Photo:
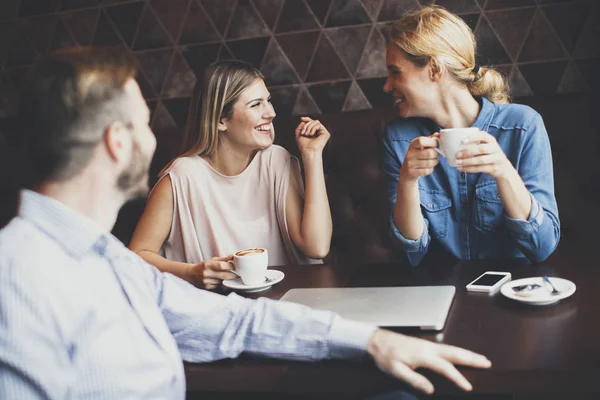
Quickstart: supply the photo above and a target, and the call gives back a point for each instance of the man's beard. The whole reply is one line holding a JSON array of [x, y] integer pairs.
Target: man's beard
[[133, 181]]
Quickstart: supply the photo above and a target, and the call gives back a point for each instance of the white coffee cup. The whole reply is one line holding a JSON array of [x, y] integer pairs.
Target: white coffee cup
[[451, 142], [251, 265]]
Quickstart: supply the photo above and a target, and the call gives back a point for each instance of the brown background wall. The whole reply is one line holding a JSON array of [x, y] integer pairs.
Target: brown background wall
[[319, 56]]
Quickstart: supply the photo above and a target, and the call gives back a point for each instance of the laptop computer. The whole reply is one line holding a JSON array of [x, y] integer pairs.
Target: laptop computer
[[424, 307]]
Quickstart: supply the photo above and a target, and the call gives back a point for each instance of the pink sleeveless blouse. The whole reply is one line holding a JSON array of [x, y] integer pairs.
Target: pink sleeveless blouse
[[216, 215]]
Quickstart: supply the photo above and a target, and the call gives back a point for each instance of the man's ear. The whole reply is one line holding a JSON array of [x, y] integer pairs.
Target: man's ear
[[117, 139], [436, 70]]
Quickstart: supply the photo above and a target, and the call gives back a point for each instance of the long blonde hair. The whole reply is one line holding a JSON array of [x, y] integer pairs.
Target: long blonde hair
[[212, 101], [433, 33]]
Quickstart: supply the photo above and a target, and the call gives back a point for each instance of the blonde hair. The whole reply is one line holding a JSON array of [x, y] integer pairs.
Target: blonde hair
[[213, 100], [433, 33]]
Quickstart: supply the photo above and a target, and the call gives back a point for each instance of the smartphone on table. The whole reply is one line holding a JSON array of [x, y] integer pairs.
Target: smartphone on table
[[489, 282]]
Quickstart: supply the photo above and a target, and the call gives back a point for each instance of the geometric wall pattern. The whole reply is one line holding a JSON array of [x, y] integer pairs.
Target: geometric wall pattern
[[318, 56]]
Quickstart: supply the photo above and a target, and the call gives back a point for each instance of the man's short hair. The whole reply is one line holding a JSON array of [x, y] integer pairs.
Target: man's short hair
[[72, 98]]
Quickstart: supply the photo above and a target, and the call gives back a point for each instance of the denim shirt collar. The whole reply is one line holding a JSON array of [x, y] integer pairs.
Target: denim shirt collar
[[74, 232]]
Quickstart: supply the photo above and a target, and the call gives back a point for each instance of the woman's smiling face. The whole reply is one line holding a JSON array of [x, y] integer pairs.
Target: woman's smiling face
[[411, 86], [251, 123]]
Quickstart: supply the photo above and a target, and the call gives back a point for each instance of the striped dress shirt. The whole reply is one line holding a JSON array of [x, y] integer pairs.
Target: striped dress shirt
[[81, 316]]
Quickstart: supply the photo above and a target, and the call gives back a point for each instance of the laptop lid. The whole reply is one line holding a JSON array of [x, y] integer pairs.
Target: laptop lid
[[424, 307]]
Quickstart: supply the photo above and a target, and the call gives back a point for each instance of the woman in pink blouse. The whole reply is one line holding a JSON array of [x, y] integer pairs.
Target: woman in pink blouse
[[231, 188]]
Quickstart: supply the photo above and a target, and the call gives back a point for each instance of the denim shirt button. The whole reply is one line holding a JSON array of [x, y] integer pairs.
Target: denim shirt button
[[429, 205]]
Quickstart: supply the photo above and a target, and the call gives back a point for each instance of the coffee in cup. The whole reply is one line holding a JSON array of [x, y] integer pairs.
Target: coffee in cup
[[251, 265], [248, 252], [451, 142]]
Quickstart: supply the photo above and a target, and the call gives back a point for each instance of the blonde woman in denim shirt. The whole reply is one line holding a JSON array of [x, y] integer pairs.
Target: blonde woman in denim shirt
[[499, 200]]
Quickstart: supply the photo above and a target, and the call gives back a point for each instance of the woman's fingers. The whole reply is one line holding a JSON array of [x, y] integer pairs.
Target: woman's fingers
[[220, 275], [477, 145], [477, 149], [226, 258], [300, 127], [422, 162], [308, 128], [427, 154], [215, 264], [477, 160], [426, 163], [480, 136], [219, 270], [477, 169], [424, 142], [311, 127], [315, 128], [486, 163]]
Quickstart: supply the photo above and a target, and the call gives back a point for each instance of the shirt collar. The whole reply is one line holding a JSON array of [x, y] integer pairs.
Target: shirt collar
[[73, 231], [486, 113]]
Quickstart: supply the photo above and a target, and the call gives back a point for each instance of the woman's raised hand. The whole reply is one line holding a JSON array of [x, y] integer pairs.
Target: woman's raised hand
[[311, 135]]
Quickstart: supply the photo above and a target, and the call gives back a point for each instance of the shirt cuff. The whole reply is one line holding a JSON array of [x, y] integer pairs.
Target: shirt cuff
[[531, 224], [349, 339], [409, 245]]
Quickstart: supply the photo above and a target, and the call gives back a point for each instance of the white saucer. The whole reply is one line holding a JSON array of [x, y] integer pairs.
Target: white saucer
[[272, 276], [541, 296]]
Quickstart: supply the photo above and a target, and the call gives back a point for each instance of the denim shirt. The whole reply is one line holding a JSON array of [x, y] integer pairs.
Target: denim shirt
[[463, 211]]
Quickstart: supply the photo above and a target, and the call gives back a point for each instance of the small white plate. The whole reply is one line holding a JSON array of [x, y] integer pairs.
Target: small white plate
[[272, 276], [541, 296]]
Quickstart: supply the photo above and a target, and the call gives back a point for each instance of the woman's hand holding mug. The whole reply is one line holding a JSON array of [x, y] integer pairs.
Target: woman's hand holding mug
[[482, 153], [210, 273], [421, 158]]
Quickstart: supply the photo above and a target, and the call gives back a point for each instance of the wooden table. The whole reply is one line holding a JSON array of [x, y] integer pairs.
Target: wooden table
[[534, 349]]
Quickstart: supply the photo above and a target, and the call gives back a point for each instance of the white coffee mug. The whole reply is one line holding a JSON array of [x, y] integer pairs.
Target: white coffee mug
[[451, 142], [251, 265]]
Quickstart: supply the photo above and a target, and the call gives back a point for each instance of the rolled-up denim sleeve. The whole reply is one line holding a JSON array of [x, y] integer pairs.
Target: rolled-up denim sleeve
[[538, 236], [527, 226], [415, 250]]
